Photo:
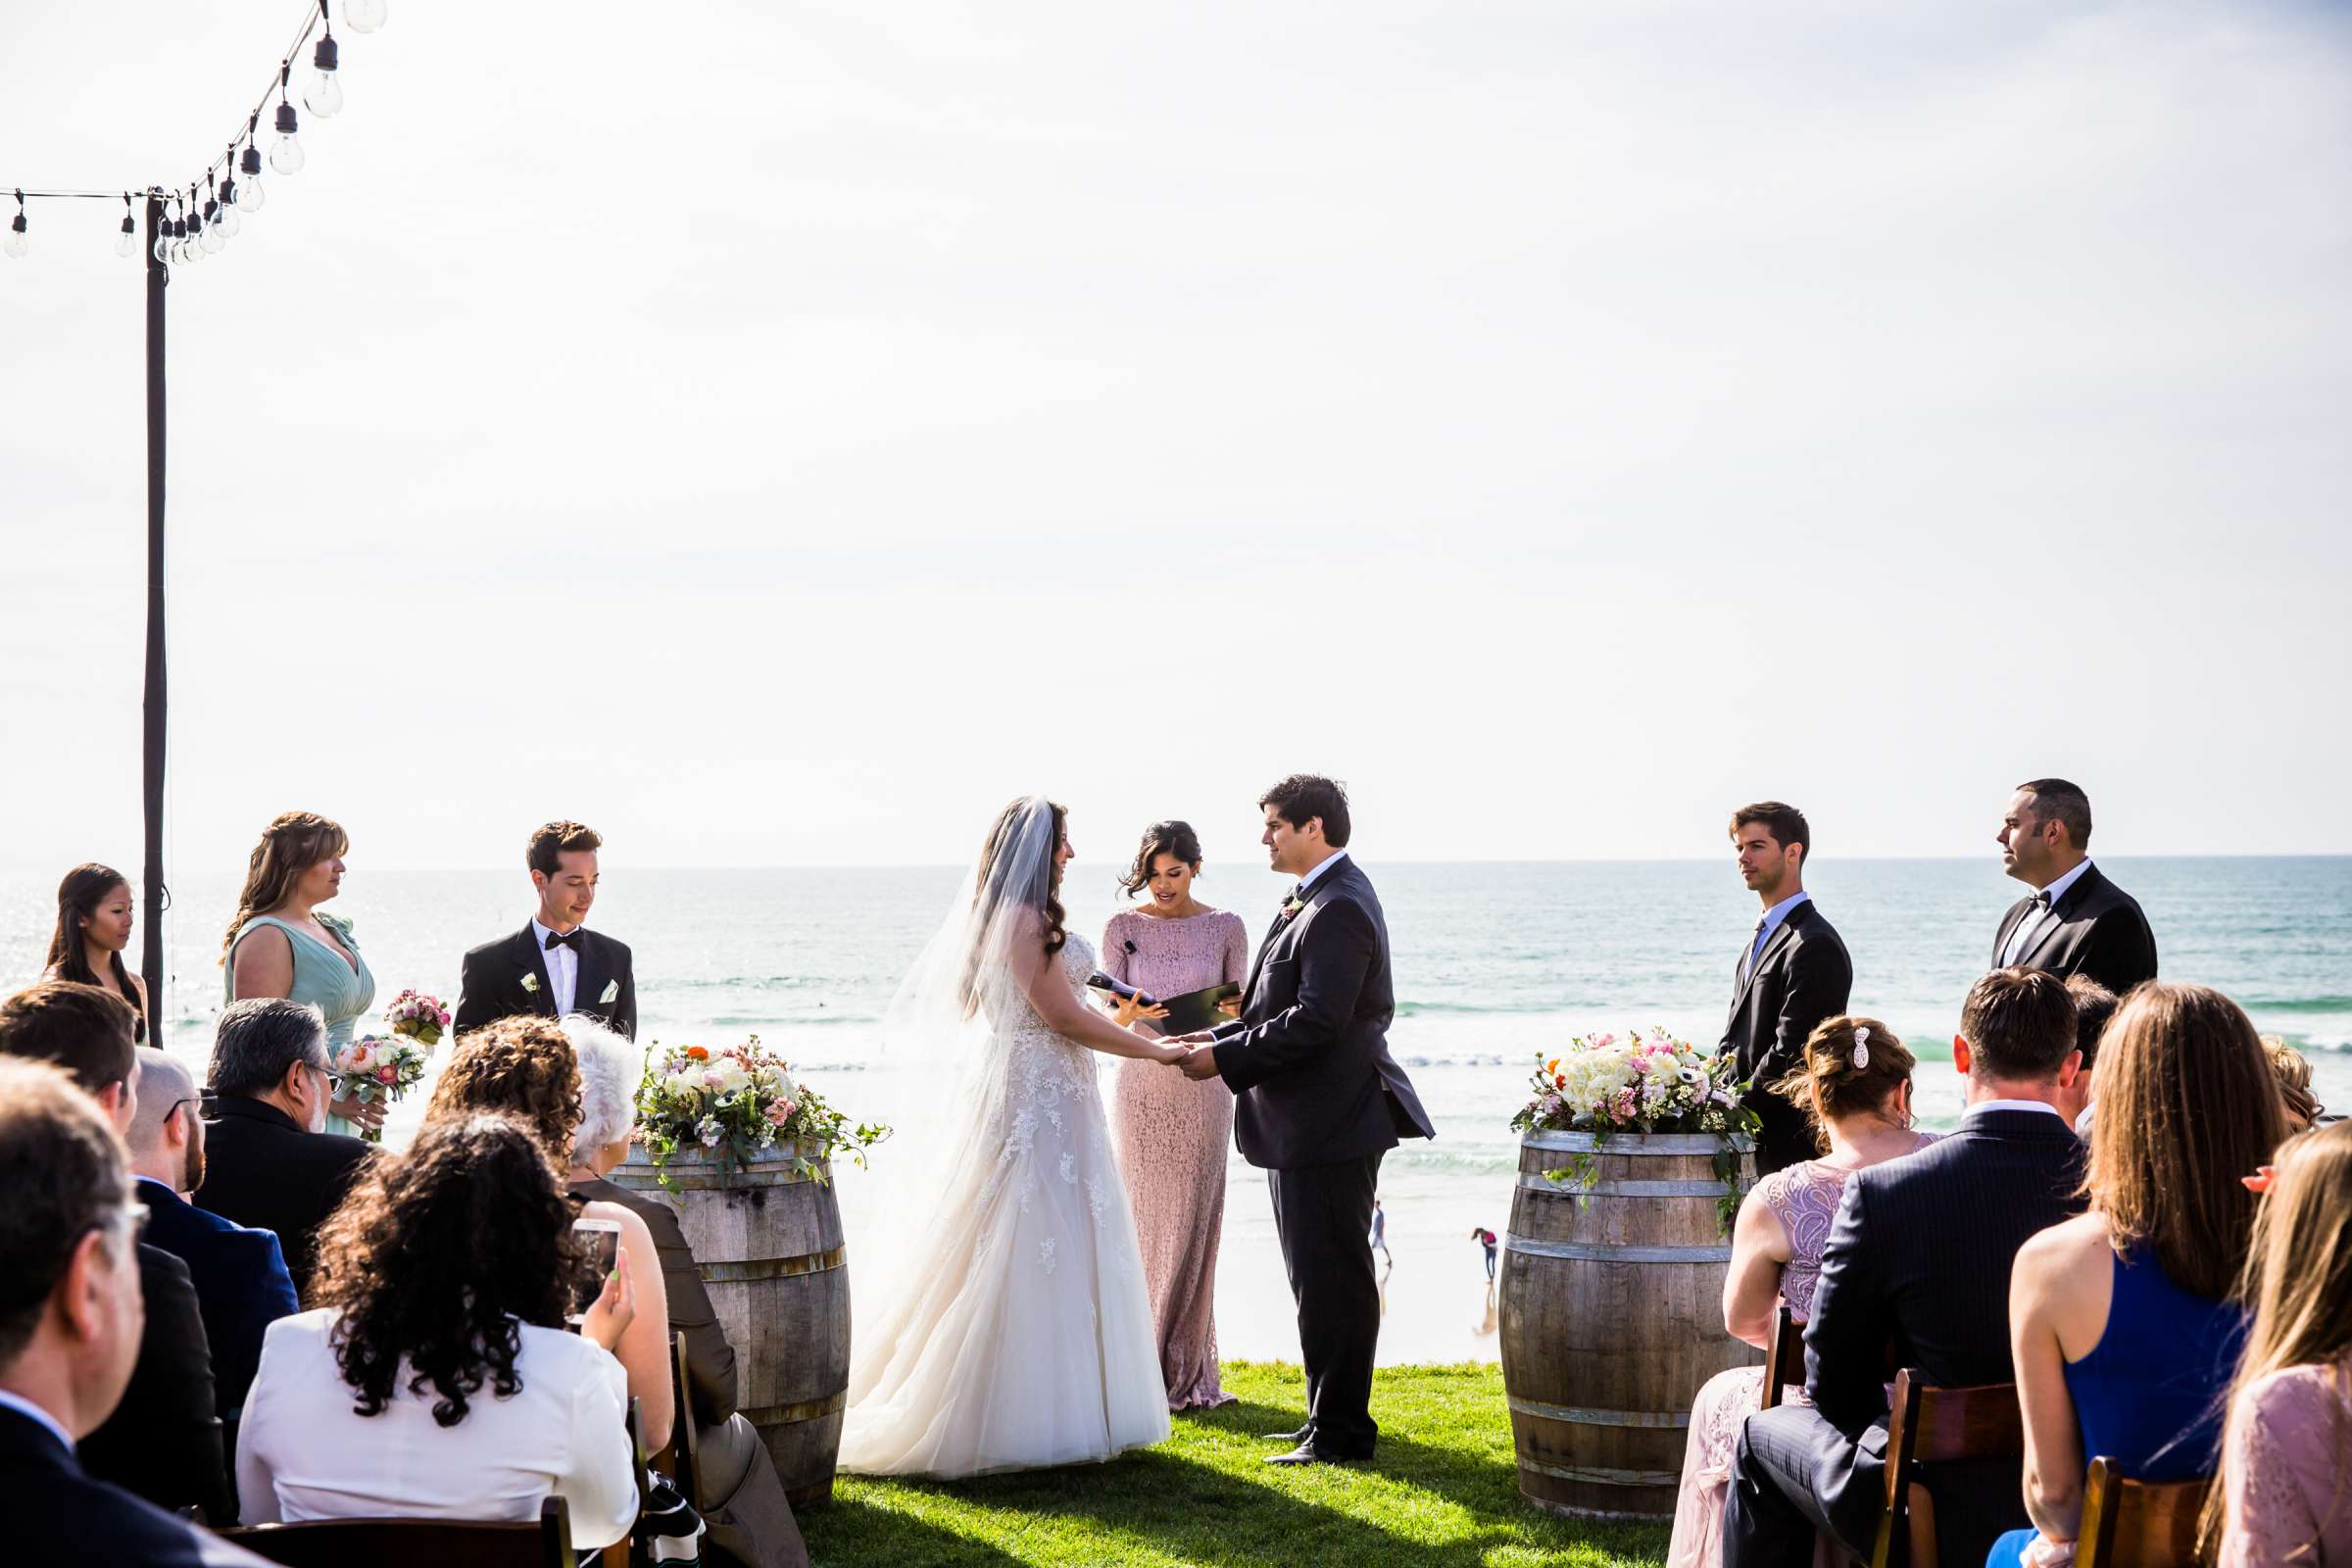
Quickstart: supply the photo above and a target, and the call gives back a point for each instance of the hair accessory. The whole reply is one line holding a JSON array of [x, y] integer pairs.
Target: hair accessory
[[1861, 1047]]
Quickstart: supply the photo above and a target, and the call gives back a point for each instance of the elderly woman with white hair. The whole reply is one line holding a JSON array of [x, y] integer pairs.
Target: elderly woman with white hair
[[741, 1501]]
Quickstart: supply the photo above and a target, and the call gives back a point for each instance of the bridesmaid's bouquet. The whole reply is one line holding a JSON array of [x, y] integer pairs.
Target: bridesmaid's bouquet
[[375, 1068], [741, 1102], [1639, 1083], [418, 1016]]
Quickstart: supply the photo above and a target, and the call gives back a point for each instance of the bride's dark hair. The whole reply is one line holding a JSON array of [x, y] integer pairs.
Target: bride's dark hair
[[1044, 895]]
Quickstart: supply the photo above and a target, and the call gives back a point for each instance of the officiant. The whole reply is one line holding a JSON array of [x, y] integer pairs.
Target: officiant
[[1792, 974], [554, 966]]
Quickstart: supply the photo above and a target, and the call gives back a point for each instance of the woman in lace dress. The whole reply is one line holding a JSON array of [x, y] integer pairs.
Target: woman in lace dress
[[1855, 1086], [1014, 1330], [1173, 1131]]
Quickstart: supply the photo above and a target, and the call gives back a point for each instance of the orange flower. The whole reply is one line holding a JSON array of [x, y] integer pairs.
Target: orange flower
[[1553, 1065], [697, 1053]]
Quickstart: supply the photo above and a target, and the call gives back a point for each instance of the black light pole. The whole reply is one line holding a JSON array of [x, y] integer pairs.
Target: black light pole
[[151, 962]]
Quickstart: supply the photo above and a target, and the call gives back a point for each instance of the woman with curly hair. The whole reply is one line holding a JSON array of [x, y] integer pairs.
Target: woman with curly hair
[[436, 1379], [524, 1068]]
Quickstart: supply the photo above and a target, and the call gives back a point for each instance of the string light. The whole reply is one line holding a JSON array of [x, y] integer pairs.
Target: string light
[[325, 97], [285, 154], [363, 16], [19, 239], [251, 195], [128, 239]]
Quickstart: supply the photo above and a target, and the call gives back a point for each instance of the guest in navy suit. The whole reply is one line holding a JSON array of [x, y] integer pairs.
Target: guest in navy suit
[[1793, 974], [70, 1333], [242, 1286]]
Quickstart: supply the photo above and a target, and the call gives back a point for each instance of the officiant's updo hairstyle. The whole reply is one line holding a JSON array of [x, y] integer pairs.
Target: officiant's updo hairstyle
[[290, 845], [1830, 1070], [1161, 838]]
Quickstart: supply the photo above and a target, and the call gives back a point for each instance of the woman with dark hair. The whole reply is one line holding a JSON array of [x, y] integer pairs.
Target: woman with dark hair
[[93, 928], [1012, 1327], [2123, 1321], [436, 1379], [1172, 1130], [279, 945]]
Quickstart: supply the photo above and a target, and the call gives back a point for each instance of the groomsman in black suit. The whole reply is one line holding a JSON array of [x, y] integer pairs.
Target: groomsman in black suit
[[2076, 922], [1919, 1259], [1792, 974], [554, 966]]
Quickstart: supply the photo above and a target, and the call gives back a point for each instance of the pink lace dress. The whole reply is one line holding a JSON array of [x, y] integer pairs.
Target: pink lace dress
[[1172, 1134], [1804, 1198], [2289, 1470]]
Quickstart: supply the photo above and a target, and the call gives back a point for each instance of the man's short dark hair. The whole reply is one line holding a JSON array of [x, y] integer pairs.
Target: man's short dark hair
[[1785, 823], [1302, 797], [258, 1039], [86, 1030], [544, 855], [2020, 1023], [2095, 1005], [2057, 801], [65, 1172]]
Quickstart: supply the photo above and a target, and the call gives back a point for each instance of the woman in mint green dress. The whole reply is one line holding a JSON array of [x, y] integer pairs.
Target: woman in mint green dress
[[280, 946]]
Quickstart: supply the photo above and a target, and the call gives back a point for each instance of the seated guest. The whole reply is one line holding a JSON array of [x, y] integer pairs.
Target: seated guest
[[1855, 1088], [2095, 1005], [2121, 1320], [2292, 1069], [436, 1380], [523, 1067], [743, 1501], [1919, 1258], [240, 1276], [70, 1333], [267, 1164], [2286, 1454], [93, 926], [163, 1441]]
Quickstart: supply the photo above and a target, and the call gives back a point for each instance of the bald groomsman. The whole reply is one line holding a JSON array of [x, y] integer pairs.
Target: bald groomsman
[[2076, 922]]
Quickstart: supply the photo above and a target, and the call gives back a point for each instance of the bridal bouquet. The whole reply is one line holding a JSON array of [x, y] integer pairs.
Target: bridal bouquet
[[741, 1102], [371, 1068], [418, 1016], [1637, 1083]]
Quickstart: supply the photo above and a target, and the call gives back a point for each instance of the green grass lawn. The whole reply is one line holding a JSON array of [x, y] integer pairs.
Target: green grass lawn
[[1442, 1493]]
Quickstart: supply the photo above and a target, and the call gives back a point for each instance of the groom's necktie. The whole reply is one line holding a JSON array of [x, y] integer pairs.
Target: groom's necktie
[[1748, 960]]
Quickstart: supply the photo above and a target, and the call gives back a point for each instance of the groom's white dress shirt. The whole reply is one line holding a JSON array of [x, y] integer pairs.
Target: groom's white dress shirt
[[1319, 872], [562, 966], [2023, 937], [1772, 921]]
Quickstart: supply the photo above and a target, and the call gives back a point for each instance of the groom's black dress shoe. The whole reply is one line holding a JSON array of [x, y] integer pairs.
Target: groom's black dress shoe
[[1308, 1453], [1294, 1439]]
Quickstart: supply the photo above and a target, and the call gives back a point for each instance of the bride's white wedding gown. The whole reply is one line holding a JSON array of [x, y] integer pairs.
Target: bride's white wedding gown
[[1022, 1336]]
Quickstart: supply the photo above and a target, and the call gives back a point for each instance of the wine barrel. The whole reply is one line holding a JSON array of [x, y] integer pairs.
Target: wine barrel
[[767, 1240], [1612, 1315]]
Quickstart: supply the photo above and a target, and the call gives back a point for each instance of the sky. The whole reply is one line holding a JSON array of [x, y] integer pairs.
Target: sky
[[779, 433]]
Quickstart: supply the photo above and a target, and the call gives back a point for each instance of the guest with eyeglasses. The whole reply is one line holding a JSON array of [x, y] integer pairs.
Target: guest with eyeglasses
[[163, 1441]]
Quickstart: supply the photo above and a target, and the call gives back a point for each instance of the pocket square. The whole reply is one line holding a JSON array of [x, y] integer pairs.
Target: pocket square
[[612, 992]]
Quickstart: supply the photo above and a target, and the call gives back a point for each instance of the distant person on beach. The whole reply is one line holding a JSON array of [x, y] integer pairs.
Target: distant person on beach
[[280, 945], [555, 965], [1172, 1131], [93, 927], [2077, 921], [1486, 1239], [1792, 974], [1380, 1231]]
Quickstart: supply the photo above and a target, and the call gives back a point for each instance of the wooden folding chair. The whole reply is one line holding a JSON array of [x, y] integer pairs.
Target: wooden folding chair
[[1785, 1356], [1937, 1426], [2138, 1524], [681, 1461], [404, 1543]]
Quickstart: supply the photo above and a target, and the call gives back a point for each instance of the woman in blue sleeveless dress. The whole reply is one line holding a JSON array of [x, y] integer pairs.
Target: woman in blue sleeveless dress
[[2124, 1334], [280, 946]]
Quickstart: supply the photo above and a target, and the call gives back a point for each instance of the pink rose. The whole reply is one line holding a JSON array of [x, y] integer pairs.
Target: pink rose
[[389, 1075], [779, 1111]]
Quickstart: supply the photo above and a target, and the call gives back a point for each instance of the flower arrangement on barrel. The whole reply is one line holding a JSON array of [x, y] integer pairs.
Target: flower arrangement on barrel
[[742, 1103], [375, 1067], [1640, 1084]]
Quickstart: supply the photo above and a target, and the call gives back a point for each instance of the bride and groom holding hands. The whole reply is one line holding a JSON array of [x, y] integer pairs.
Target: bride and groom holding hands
[[1016, 1330]]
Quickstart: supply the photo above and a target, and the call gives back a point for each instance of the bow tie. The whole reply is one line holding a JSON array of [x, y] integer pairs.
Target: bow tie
[[2041, 900], [564, 939]]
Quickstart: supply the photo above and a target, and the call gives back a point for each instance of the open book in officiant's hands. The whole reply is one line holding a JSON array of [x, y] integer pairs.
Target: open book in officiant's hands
[[1197, 1010]]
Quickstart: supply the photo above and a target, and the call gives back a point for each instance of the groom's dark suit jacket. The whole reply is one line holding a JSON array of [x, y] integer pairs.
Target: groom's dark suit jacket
[[1312, 1037], [491, 986], [2099, 931], [1802, 977]]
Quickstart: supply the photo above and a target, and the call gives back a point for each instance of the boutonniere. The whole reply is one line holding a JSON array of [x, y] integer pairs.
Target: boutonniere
[[612, 992], [1291, 906], [530, 983]]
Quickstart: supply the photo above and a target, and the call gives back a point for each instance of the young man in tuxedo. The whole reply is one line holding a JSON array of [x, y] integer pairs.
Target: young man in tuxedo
[[1919, 1259], [2076, 922], [1792, 974], [1318, 1100], [554, 966]]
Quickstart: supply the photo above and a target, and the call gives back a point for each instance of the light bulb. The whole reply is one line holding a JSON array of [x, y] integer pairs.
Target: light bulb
[[286, 155], [213, 239], [250, 195], [122, 241], [162, 246], [324, 96], [362, 16], [18, 241], [227, 222]]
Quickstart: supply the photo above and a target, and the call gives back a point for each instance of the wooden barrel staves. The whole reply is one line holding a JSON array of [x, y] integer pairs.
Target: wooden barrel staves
[[1611, 1314], [767, 1240]]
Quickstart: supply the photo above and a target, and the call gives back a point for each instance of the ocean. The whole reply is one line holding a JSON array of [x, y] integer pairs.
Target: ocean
[[1494, 962]]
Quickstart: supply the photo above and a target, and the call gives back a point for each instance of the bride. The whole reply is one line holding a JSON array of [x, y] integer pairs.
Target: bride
[[1016, 1331]]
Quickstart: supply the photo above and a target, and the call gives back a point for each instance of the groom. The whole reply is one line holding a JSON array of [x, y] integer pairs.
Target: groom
[[555, 965], [1318, 1101]]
